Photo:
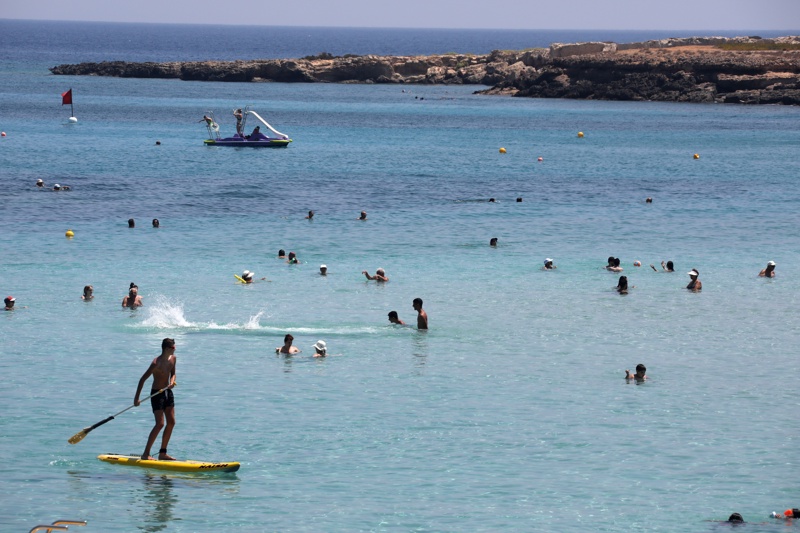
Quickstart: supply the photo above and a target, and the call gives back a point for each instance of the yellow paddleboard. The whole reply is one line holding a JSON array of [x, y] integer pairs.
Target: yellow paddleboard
[[174, 466], [239, 278]]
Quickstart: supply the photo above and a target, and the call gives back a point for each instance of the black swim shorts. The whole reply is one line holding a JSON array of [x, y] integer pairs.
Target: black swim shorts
[[161, 401]]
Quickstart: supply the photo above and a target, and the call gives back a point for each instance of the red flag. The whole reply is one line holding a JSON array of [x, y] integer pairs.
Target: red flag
[[66, 98]]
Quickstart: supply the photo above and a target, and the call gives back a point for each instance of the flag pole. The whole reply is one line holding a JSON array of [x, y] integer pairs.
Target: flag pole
[[71, 108]]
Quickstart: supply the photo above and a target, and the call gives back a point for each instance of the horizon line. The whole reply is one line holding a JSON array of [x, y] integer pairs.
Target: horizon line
[[794, 32]]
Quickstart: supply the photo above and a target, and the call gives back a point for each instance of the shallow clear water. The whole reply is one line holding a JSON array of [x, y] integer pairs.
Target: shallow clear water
[[509, 413]]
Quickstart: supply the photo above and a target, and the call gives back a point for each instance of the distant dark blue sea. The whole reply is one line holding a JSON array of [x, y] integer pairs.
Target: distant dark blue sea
[[58, 42], [510, 413]]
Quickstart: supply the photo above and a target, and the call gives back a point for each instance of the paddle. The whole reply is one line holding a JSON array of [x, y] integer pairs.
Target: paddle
[[77, 437]]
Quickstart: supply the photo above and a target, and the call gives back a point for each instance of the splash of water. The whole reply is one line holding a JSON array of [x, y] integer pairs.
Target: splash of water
[[251, 324], [166, 314], [169, 314]]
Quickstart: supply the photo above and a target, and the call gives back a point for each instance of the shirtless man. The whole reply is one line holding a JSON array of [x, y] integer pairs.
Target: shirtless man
[[695, 285], [422, 316], [768, 272], [287, 348], [395, 319], [640, 374], [163, 371], [380, 275], [132, 299]]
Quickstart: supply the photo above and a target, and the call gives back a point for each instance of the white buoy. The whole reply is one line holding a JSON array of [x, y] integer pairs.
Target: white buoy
[[73, 120]]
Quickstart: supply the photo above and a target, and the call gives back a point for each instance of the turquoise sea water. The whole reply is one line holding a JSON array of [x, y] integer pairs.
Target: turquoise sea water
[[510, 413]]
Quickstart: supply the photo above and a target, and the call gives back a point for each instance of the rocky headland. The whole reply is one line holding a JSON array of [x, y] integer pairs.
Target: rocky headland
[[748, 70]]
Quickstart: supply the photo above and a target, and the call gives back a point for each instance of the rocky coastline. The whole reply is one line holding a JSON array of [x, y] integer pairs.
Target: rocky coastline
[[746, 70]]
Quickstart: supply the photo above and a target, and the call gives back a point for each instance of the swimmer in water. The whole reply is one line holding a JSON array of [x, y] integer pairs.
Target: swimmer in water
[[40, 183], [622, 285], [320, 349], [156, 223], [9, 301], [394, 319], [613, 264], [292, 260], [548, 264], [287, 348], [768, 272], [87, 293], [493, 241], [281, 254], [323, 270], [422, 316], [131, 223], [310, 215], [640, 375], [249, 277], [380, 275], [363, 216], [666, 267], [695, 285], [132, 299]]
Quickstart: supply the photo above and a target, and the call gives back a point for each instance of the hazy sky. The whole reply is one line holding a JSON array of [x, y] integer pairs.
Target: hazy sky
[[511, 14]]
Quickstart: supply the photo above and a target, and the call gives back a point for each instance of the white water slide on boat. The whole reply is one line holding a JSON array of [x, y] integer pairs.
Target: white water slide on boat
[[255, 139]]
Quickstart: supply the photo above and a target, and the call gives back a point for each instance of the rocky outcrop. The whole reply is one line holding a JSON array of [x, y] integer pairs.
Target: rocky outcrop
[[699, 69], [680, 74], [451, 68]]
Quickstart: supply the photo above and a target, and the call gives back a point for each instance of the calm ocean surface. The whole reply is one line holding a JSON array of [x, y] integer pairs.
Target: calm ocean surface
[[510, 413]]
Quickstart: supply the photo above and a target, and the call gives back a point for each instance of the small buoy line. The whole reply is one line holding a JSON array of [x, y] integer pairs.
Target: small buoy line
[[581, 135]]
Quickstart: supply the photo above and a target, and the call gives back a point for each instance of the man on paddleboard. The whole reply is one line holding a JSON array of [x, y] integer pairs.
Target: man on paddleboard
[[163, 371]]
